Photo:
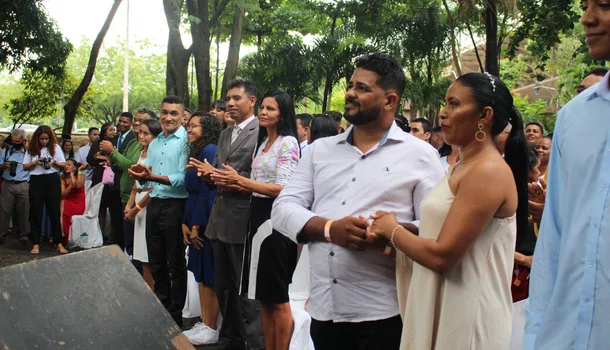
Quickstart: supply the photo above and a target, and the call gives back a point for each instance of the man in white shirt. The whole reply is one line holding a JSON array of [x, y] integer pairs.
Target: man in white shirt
[[344, 179], [83, 151], [303, 129]]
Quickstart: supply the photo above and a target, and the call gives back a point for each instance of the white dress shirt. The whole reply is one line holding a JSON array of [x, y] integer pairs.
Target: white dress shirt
[[335, 179], [81, 157], [238, 128]]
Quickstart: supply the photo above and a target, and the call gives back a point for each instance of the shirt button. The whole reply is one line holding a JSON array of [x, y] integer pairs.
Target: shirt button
[[334, 281], [332, 253], [603, 188], [363, 157], [590, 264], [353, 179], [343, 203], [594, 225]]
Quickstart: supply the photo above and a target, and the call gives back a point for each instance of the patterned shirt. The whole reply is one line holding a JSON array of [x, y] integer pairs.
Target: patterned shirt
[[277, 164]]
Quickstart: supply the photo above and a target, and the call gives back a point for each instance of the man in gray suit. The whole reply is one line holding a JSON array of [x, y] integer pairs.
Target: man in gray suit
[[228, 223]]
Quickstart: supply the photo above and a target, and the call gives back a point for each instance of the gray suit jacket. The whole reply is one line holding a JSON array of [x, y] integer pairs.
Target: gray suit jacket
[[228, 220]]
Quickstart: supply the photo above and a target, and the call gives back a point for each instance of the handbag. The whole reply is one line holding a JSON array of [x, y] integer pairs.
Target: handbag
[[108, 176], [519, 287]]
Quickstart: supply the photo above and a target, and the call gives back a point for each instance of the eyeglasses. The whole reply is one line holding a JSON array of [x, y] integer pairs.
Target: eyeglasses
[[192, 126]]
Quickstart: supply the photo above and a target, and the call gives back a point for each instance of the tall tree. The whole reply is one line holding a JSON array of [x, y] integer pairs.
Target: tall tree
[[452, 38], [202, 21], [492, 57], [234, 46], [30, 39], [72, 106], [176, 76]]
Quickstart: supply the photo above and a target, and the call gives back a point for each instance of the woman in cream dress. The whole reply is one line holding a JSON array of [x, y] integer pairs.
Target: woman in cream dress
[[454, 278], [135, 209]]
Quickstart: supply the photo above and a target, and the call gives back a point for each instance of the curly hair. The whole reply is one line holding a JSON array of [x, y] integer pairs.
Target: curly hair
[[211, 132], [34, 148]]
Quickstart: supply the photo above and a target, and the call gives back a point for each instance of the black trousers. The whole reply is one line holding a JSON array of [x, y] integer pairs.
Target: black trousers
[[45, 189], [116, 217], [166, 253], [128, 232], [241, 317], [370, 335]]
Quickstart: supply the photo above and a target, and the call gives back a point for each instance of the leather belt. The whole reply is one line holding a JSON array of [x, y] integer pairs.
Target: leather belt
[[15, 181]]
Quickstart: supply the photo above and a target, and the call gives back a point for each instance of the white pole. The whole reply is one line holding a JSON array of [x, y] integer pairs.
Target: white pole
[[126, 70]]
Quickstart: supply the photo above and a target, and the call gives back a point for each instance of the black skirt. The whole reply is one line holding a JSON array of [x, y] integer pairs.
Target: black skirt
[[270, 260]]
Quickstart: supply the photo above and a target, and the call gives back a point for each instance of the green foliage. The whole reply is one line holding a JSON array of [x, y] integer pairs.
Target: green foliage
[[542, 22], [285, 65], [30, 39], [416, 34], [41, 97], [570, 62], [146, 78], [513, 72], [535, 111], [9, 89]]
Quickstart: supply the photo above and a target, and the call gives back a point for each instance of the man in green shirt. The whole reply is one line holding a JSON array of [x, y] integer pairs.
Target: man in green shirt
[[124, 161]]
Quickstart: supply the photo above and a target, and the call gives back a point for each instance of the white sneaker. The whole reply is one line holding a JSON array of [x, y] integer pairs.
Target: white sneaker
[[205, 336], [196, 328]]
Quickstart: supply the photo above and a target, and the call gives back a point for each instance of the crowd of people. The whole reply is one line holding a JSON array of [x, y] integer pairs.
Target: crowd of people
[[419, 237]]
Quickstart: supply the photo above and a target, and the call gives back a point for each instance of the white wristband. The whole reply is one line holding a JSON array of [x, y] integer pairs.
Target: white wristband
[[327, 230]]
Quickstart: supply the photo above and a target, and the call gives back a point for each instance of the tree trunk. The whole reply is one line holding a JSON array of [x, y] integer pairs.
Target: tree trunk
[[201, 50], [476, 49], [328, 84], [177, 71], [328, 87], [454, 53], [216, 96], [234, 45], [72, 106], [491, 40]]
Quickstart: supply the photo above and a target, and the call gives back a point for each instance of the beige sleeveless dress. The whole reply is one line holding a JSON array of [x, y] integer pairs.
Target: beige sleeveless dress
[[468, 307]]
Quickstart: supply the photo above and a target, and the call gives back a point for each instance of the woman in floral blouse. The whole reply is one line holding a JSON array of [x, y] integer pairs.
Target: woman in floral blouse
[[272, 255]]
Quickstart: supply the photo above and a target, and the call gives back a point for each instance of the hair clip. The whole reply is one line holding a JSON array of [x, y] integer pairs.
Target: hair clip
[[492, 81]]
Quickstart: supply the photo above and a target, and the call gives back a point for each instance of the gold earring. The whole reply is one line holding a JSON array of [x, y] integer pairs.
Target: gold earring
[[480, 135]]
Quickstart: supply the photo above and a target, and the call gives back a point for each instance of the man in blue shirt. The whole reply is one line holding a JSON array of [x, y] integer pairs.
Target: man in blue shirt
[[15, 188], [164, 171], [569, 303]]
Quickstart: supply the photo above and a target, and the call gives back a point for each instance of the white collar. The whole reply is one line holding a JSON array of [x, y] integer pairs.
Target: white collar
[[245, 123]]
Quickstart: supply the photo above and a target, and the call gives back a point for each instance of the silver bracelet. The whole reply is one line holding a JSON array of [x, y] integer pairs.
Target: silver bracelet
[[392, 237]]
